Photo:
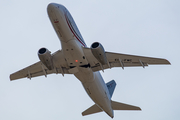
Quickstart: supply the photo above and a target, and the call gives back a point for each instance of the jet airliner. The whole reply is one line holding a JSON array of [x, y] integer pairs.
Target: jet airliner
[[84, 62]]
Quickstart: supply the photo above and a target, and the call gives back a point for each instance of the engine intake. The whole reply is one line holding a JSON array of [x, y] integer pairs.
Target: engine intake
[[99, 52], [95, 45], [46, 58], [42, 50]]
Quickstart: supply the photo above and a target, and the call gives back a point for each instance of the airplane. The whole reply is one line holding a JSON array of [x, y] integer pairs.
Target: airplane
[[84, 62]]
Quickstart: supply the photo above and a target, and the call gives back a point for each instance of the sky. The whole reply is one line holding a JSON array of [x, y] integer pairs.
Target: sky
[[138, 27]]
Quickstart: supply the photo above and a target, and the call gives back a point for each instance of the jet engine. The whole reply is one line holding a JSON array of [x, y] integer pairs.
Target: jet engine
[[99, 53], [46, 58]]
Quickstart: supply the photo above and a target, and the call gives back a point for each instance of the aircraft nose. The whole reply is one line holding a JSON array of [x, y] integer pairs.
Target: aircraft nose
[[51, 6]]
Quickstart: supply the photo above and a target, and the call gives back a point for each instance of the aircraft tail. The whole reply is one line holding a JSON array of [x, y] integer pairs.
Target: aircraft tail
[[111, 86], [115, 105]]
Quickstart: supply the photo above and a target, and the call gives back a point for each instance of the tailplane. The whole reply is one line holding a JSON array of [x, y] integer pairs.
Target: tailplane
[[115, 105], [122, 106], [93, 109]]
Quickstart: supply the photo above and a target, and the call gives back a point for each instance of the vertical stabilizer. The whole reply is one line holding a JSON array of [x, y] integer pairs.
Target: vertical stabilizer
[[111, 86]]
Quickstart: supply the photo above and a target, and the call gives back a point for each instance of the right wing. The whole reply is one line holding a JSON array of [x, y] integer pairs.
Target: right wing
[[133, 60], [39, 69], [122, 60]]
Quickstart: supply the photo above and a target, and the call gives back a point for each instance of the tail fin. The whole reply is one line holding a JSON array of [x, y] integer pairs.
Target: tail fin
[[122, 106], [111, 86], [91, 110]]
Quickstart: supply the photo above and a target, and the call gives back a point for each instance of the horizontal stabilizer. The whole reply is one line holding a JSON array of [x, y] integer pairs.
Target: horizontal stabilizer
[[91, 110], [122, 106]]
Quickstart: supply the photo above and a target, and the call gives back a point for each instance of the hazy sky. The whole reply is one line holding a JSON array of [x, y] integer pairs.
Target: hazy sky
[[139, 27]]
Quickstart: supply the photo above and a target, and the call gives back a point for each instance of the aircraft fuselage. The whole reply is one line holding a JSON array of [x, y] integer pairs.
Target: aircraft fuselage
[[72, 47]]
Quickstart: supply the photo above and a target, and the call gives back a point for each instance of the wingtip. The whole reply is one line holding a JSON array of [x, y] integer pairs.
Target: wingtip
[[168, 62], [10, 77], [82, 114], [139, 109]]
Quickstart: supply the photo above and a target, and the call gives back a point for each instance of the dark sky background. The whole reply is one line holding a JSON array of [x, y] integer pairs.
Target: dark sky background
[[139, 27]]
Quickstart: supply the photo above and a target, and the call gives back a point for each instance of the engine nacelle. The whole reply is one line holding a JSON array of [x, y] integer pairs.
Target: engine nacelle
[[99, 53], [45, 57]]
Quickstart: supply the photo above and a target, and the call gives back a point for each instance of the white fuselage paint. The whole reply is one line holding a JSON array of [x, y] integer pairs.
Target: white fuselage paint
[[72, 48]]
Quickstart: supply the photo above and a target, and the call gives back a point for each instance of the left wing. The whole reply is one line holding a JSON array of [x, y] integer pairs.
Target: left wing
[[39, 69], [122, 60]]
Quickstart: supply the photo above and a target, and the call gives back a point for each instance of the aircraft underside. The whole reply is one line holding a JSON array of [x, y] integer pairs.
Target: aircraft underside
[[85, 63]]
